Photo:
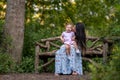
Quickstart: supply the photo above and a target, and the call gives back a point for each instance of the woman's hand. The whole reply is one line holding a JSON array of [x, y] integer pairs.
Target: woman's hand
[[73, 38]]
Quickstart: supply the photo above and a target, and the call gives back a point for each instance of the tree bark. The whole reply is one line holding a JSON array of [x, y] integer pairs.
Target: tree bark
[[14, 27]]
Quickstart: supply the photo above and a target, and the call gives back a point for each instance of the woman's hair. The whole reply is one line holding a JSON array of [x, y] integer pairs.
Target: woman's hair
[[80, 36]]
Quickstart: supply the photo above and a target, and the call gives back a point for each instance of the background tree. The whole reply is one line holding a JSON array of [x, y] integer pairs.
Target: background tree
[[14, 27]]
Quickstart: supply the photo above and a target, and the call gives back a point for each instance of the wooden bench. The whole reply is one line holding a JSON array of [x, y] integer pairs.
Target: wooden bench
[[46, 48]]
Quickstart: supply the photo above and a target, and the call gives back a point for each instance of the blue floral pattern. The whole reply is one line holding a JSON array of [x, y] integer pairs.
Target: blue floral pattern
[[65, 64]]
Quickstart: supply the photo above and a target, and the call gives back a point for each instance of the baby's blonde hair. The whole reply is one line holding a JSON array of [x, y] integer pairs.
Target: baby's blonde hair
[[69, 24]]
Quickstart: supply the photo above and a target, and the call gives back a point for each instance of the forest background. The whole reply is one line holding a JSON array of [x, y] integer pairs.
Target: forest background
[[46, 18]]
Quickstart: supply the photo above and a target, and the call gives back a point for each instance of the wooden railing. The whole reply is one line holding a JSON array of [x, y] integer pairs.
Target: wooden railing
[[46, 48]]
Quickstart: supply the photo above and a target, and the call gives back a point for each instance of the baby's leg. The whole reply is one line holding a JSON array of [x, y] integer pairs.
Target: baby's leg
[[75, 45], [67, 49]]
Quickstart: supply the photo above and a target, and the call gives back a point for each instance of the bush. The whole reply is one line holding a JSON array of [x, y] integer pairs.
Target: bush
[[27, 65], [110, 71], [6, 63]]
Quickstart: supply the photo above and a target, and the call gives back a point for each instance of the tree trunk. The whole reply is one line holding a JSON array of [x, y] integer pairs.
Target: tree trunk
[[14, 27]]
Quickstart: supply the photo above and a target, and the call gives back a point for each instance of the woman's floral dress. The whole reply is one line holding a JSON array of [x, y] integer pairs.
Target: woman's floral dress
[[66, 64]]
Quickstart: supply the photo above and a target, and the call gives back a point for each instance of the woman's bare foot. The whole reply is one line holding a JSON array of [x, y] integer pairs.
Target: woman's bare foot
[[56, 74], [74, 73]]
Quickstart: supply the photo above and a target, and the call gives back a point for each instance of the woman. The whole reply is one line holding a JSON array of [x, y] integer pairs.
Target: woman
[[72, 64]]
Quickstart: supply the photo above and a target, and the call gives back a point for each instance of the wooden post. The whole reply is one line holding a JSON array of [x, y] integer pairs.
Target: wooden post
[[37, 50], [48, 45], [45, 60], [105, 52]]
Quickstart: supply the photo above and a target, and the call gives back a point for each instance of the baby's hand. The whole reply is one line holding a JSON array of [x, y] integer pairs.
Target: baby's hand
[[63, 40]]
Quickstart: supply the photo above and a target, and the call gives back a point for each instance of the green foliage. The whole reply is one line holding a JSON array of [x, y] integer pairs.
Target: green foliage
[[110, 71], [1, 31], [34, 32], [85, 66], [2, 9], [114, 30], [6, 63], [5, 41], [98, 15], [49, 68], [27, 65]]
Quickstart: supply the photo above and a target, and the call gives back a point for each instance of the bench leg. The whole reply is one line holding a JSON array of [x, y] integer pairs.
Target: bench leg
[[36, 64], [36, 59]]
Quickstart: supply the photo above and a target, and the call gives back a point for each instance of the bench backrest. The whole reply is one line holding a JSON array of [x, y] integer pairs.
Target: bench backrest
[[95, 45]]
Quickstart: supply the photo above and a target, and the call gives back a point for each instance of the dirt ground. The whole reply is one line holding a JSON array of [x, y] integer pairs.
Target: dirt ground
[[41, 76]]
